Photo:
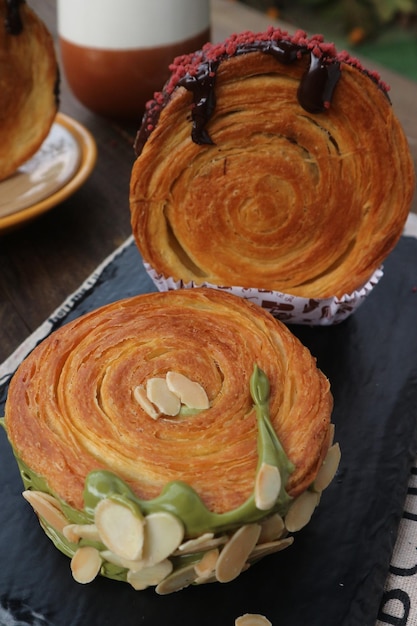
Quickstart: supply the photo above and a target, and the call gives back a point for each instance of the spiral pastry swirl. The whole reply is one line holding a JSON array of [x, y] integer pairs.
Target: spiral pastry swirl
[[274, 190], [71, 407]]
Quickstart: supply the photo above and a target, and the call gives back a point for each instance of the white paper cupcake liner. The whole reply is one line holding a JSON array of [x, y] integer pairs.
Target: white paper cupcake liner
[[285, 307]]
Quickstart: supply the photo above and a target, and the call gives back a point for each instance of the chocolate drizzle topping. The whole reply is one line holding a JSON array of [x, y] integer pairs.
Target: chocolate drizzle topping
[[13, 21], [202, 87], [317, 85], [314, 94], [197, 73]]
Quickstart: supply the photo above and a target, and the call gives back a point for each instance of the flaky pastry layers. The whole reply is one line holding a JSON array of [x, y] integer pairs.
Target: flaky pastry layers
[[28, 84], [128, 486], [71, 407], [270, 161]]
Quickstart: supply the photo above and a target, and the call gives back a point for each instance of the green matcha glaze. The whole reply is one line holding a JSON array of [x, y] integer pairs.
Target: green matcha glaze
[[177, 497], [270, 449]]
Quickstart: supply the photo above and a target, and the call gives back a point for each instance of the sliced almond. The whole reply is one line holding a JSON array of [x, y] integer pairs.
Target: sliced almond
[[47, 497], [264, 549], [252, 619], [191, 393], [194, 545], [141, 397], [177, 580], [205, 542], [203, 580], [85, 564], [149, 576], [158, 393], [120, 529], [329, 468], [115, 559], [75, 532], [272, 528], [267, 486], [47, 507], [207, 565], [301, 510], [233, 556], [163, 534]]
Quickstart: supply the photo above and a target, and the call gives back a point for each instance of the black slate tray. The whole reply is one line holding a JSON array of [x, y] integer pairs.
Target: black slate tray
[[335, 572]]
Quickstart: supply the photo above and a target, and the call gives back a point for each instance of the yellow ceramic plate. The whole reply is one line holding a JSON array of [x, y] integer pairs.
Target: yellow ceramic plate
[[61, 165]]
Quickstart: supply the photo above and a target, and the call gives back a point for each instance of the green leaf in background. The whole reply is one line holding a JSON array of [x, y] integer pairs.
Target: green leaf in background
[[384, 31]]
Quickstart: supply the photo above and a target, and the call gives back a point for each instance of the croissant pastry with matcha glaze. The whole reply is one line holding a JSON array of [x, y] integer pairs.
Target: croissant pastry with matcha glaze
[[270, 161], [28, 84], [194, 409]]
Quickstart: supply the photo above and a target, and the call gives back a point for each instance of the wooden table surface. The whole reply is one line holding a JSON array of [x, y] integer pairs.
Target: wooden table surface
[[44, 261]]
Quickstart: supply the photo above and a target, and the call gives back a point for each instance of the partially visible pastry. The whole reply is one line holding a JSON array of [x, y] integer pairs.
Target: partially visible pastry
[[159, 434], [270, 161], [28, 84]]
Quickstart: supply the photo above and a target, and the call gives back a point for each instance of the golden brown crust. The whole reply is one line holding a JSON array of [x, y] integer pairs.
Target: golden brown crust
[[71, 408], [305, 203], [28, 83]]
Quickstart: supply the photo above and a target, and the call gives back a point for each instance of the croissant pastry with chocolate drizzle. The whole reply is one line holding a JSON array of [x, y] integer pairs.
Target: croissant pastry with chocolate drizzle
[[270, 161], [28, 84], [185, 419]]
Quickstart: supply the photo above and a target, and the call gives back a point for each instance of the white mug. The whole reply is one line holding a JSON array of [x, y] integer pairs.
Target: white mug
[[116, 53]]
